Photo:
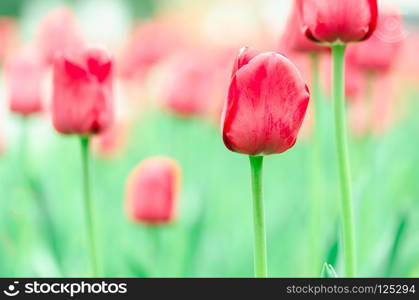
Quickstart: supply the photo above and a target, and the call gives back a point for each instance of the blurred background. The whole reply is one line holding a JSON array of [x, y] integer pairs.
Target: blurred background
[[173, 61]]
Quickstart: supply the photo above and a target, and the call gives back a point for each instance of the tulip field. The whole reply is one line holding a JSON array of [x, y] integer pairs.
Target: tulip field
[[209, 138]]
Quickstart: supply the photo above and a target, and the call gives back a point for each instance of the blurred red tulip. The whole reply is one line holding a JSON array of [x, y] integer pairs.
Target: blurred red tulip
[[407, 64], [152, 190], [58, 33], [293, 39], [359, 118], [378, 114], [82, 96], [110, 143], [2, 144], [24, 74], [379, 52], [150, 43], [332, 21], [190, 85], [7, 36], [266, 104]]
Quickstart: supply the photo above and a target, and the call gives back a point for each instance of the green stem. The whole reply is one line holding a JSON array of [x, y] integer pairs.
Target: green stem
[[338, 88], [256, 164], [88, 206], [24, 150], [22, 241], [316, 169]]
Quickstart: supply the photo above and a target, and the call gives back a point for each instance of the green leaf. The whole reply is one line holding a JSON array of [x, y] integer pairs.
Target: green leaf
[[328, 271], [397, 242]]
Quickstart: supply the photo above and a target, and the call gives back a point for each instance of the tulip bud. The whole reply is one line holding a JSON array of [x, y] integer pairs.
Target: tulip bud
[[266, 104], [24, 73], [152, 191], [336, 21], [82, 96]]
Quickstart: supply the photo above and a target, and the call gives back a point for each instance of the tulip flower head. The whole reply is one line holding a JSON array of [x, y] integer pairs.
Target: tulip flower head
[[266, 104], [24, 72], [152, 191], [82, 95], [336, 21]]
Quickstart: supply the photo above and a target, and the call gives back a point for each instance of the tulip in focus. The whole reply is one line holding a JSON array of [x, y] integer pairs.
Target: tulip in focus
[[82, 96], [266, 104], [152, 190], [58, 33], [24, 73], [331, 21], [265, 107]]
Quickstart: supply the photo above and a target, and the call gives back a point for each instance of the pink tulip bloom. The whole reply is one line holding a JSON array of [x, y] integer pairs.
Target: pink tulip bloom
[[82, 92], [152, 190], [266, 104], [24, 73]]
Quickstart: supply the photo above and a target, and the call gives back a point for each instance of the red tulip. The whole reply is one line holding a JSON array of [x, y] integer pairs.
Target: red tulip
[[379, 52], [190, 85], [24, 72], [293, 39], [337, 21], [111, 142], [82, 96], [152, 191], [266, 104], [58, 33]]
